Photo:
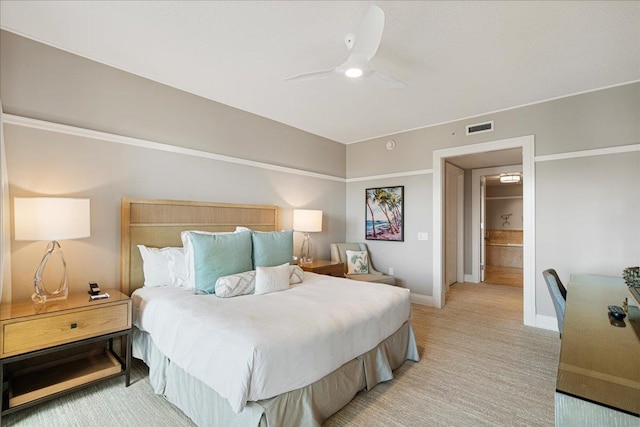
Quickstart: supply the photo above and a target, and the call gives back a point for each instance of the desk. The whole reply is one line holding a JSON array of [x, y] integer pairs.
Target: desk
[[599, 371]]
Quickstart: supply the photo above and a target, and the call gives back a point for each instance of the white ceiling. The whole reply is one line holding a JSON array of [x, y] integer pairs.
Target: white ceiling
[[459, 59]]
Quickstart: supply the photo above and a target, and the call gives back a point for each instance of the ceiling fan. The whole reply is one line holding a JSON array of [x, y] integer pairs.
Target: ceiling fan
[[362, 46]]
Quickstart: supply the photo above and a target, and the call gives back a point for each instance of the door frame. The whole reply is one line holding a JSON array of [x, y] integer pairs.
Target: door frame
[[476, 234], [527, 144]]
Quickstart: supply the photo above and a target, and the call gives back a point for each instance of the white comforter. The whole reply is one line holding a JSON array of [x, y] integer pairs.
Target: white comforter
[[258, 346]]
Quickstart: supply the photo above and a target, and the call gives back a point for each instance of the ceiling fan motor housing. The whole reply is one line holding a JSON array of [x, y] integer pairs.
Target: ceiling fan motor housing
[[349, 40]]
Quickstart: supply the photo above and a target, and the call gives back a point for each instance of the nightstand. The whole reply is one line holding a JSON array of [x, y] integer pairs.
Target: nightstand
[[60, 346], [322, 266]]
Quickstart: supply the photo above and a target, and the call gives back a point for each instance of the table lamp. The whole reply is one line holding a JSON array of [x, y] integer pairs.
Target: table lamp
[[53, 219], [307, 221]]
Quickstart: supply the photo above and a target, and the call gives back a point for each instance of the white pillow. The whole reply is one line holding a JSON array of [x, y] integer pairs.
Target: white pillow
[[163, 266], [357, 262], [272, 279], [178, 268], [245, 283], [236, 284]]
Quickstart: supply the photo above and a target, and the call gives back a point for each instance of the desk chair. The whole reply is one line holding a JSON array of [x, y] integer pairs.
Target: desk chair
[[558, 295]]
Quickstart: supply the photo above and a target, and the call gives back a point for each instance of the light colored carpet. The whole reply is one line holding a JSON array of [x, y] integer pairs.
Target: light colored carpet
[[479, 367]]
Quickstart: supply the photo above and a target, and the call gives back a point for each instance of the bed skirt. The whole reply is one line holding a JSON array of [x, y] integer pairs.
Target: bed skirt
[[306, 406]]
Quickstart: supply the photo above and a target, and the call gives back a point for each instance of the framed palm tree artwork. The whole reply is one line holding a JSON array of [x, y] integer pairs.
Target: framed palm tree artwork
[[384, 216]]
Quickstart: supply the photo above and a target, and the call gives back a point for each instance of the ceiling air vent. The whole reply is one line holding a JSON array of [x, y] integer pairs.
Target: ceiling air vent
[[480, 128]]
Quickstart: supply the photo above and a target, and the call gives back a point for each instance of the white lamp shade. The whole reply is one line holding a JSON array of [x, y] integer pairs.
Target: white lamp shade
[[51, 218], [307, 221]]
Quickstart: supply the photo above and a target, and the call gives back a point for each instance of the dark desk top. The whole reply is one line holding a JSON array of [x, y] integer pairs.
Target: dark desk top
[[600, 362]]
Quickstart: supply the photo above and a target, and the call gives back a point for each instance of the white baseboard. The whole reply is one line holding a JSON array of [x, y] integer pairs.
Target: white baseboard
[[546, 322], [468, 278], [422, 299]]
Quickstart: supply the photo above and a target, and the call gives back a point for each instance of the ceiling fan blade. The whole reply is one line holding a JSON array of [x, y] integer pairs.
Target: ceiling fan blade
[[316, 75], [387, 81], [369, 34]]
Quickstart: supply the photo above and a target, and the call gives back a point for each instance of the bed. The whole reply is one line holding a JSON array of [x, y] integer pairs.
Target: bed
[[293, 357]]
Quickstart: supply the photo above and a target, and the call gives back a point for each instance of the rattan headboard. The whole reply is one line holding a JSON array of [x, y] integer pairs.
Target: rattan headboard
[[158, 223]]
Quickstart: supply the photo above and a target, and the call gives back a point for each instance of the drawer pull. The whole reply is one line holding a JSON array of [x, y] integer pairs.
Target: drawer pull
[[74, 325]]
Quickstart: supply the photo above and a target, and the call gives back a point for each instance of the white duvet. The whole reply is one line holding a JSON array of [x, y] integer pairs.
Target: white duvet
[[255, 347]]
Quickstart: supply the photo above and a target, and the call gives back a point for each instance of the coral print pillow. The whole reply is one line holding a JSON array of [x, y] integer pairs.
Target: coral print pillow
[[357, 262]]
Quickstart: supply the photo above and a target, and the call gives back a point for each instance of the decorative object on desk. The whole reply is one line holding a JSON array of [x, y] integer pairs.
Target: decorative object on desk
[[307, 221], [51, 218], [631, 276], [384, 213]]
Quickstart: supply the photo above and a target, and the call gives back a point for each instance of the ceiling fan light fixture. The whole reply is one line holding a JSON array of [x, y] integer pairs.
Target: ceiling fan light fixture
[[353, 72]]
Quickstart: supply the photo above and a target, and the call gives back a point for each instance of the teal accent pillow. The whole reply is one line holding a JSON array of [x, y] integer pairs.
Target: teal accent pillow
[[272, 248], [217, 255]]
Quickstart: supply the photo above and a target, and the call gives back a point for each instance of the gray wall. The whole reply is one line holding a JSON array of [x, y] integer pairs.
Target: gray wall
[[41, 82], [401, 256], [598, 233], [495, 208]]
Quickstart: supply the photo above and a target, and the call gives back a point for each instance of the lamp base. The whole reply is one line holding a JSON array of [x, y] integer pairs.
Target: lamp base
[[305, 250], [41, 294]]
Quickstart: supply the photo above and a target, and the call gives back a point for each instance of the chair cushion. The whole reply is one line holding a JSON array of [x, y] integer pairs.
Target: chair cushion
[[376, 278]]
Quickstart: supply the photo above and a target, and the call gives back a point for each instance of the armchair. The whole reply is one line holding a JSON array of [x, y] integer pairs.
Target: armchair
[[338, 254]]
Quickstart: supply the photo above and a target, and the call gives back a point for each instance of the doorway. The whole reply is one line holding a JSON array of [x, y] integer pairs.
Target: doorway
[[526, 145], [501, 228]]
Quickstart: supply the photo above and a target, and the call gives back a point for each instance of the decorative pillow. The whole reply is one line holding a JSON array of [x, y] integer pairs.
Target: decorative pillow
[[245, 283], [163, 266], [236, 284], [296, 274], [272, 279], [357, 262], [188, 250], [272, 248], [217, 255]]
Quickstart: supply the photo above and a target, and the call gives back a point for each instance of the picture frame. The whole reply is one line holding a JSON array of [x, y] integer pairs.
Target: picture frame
[[384, 213]]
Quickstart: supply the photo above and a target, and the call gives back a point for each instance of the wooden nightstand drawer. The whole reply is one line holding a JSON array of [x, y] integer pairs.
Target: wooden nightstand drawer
[[37, 333]]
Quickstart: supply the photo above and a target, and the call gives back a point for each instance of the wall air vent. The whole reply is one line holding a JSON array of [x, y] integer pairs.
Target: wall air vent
[[480, 128]]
